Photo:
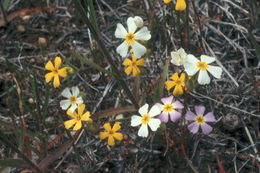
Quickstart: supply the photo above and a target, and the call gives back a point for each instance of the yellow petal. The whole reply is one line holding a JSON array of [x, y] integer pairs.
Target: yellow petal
[[127, 62], [57, 62], [62, 72], [49, 66], [167, 1], [111, 141], [136, 71], [56, 81], [182, 78], [49, 76], [77, 126], [81, 108], [133, 58], [103, 135], [128, 70], [116, 127], [69, 123], [85, 117], [118, 136], [74, 114], [177, 90], [107, 126], [140, 62], [169, 84], [180, 5], [174, 77]]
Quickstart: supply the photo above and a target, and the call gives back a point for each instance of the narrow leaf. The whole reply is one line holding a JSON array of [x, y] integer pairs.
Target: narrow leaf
[[15, 163]]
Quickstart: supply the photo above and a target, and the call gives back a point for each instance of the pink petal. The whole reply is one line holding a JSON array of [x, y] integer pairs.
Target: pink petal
[[167, 99], [163, 117], [199, 110], [193, 127], [209, 117], [206, 129], [159, 105], [178, 105], [190, 116], [174, 115]]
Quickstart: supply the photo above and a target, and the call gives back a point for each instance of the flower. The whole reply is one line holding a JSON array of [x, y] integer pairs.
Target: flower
[[131, 38], [178, 82], [193, 65], [133, 65], [169, 107], [145, 119], [167, 1], [180, 5], [77, 117], [72, 99], [55, 72], [178, 57], [200, 120], [111, 133], [138, 21]]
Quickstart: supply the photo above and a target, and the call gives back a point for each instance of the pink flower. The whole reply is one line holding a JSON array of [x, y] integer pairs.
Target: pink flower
[[200, 120], [169, 107]]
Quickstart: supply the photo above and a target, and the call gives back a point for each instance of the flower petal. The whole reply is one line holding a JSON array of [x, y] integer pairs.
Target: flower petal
[[207, 59], [77, 126], [64, 104], [155, 110], [66, 93], [136, 120], [120, 31], [81, 108], [190, 116], [49, 76], [62, 72], [190, 65], [116, 127], [73, 108], [122, 49], [164, 117], [138, 49], [167, 99], [69, 123], [154, 124], [174, 115], [136, 70], [103, 135], [85, 116], [128, 70], [193, 127], [206, 129], [215, 71], [56, 82], [57, 62], [199, 110], [79, 100], [143, 131], [107, 126], [143, 34], [49, 66], [178, 90], [178, 105], [140, 62], [159, 106], [143, 110], [75, 91], [203, 78], [209, 117], [111, 141], [118, 136], [127, 62], [169, 84], [131, 25]]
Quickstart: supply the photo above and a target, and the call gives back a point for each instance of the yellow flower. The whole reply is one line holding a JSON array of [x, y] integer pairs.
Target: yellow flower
[[55, 72], [178, 82], [111, 133], [180, 5], [132, 65], [167, 1], [78, 117]]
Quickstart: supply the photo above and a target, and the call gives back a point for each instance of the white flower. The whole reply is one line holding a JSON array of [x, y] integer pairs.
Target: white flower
[[193, 65], [145, 119], [178, 57], [72, 99], [138, 21], [131, 38]]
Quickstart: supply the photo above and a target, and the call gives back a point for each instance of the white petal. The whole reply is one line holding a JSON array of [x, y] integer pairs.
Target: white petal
[[64, 104], [143, 110], [143, 131], [143, 34], [192, 59], [207, 59], [215, 71], [66, 93], [138, 49], [190, 69], [155, 110], [138, 21], [182, 53], [175, 58], [73, 107], [154, 124], [136, 120], [122, 49], [203, 78], [79, 100], [120, 31], [75, 91], [131, 25]]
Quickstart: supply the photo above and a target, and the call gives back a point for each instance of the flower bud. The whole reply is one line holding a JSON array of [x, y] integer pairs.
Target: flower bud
[[138, 21]]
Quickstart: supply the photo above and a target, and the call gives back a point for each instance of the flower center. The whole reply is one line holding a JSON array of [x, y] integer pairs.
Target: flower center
[[73, 100], [78, 117], [168, 107], [179, 59], [130, 38], [178, 82], [111, 132], [55, 71], [202, 65], [146, 119], [200, 119]]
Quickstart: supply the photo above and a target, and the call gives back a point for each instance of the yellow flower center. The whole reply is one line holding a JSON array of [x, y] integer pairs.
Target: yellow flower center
[[200, 119], [202, 65], [178, 82], [130, 38], [168, 107], [179, 59], [146, 119], [73, 100], [55, 71], [111, 132], [78, 117]]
